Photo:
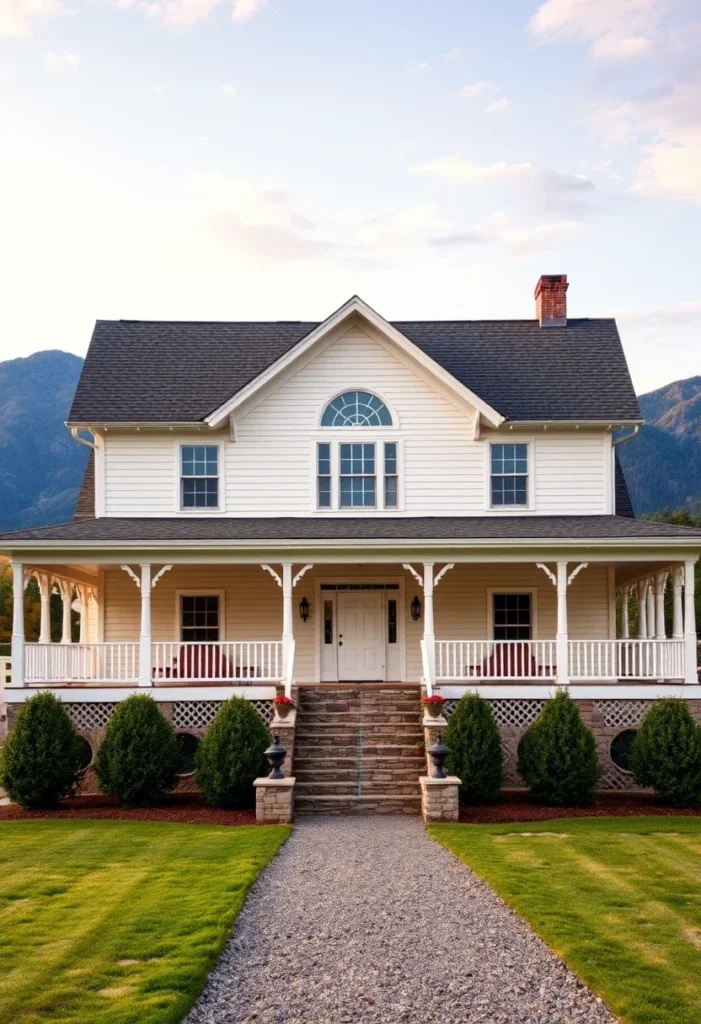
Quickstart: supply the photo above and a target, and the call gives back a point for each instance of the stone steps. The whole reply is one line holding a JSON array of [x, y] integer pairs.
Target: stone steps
[[358, 750]]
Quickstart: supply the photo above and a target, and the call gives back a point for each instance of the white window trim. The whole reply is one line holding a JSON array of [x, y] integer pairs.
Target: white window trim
[[195, 592], [221, 456], [379, 436], [509, 510], [506, 589]]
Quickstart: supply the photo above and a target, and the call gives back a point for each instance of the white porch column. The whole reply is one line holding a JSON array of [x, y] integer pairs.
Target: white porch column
[[561, 640], [83, 595], [67, 598], [287, 627], [642, 609], [677, 619], [18, 624], [44, 581], [690, 666], [625, 621], [660, 581], [650, 609], [145, 637], [429, 627]]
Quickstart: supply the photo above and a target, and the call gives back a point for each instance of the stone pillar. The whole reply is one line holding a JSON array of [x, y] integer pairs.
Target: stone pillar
[[642, 610], [677, 613], [561, 641], [18, 624], [690, 657], [440, 798], [44, 581], [274, 801], [625, 621], [650, 610], [660, 583], [433, 732], [66, 589], [429, 627], [145, 637]]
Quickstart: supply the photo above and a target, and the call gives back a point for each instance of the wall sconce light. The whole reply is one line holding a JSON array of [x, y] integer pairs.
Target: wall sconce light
[[416, 609], [304, 609]]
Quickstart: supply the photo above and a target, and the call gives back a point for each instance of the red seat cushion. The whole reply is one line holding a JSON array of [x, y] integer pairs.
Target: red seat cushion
[[508, 660]]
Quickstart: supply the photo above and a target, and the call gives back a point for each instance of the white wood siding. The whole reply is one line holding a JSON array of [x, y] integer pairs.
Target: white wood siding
[[270, 468], [253, 605]]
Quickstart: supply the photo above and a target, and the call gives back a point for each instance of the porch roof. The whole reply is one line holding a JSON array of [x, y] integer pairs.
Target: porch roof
[[355, 528]]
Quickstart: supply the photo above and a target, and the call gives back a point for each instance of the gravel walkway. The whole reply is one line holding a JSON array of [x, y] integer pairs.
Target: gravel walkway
[[370, 920]]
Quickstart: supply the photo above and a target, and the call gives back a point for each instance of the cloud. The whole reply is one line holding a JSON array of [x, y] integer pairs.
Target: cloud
[[476, 89], [452, 55], [227, 90], [498, 106], [419, 65], [18, 17], [671, 316], [261, 221], [464, 172], [159, 88], [406, 227], [665, 124], [499, 228], [616, 30], [245, 9], [61, 62]]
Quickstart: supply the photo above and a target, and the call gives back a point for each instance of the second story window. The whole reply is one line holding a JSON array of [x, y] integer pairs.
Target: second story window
[[509, 475], [199, 476], [358, 474]]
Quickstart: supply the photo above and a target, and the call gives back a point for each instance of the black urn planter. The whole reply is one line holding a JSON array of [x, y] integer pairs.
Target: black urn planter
[[438, 752], [276, 754]]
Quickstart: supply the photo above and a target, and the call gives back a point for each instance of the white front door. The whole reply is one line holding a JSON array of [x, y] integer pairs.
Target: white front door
[[361, 635]]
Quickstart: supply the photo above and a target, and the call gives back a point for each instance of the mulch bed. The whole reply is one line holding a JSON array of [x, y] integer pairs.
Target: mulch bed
[[513, 807], [186, 808]]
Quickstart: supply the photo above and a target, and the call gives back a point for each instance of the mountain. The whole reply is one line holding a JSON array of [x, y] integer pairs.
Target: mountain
[[663, 463], [41, 466]]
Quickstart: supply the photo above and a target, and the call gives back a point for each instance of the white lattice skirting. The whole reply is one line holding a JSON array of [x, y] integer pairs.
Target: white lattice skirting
[[199, 714], [86, 717], [515, 713]]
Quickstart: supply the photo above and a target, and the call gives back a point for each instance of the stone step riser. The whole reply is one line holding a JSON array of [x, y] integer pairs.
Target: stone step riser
[[315, 805], [350, 764], [310, 777], [352, 791], [321, 753]]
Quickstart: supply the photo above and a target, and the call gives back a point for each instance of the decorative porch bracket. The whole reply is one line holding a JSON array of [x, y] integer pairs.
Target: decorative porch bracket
[[145, 583]]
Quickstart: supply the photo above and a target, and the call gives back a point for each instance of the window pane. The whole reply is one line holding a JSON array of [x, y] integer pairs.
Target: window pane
[[328, 622], [200, 492], [392, 621], [357, 491], [323, 459], [199, 619], [356, 408], [512, 616], [324, 492], [390, 458], [390, 492]]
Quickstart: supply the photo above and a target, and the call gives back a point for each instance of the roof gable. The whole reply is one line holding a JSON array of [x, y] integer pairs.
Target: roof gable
[[306, 346]]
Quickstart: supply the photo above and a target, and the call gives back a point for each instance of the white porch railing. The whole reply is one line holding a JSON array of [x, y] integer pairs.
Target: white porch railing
[[226, 662], [81, 663], [490, 660], [626, 659]]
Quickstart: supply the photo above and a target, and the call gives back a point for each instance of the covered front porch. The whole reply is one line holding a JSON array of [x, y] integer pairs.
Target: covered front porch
[[191, 630]]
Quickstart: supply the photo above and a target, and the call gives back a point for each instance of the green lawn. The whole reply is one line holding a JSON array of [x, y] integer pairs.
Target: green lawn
[[618, 898], [115, 922]]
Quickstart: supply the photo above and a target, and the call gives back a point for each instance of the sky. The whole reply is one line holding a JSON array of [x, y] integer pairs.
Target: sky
[[267, 159]]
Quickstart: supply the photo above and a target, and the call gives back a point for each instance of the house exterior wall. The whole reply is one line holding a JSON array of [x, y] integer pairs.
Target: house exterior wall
[[253, 604], [270, 468]]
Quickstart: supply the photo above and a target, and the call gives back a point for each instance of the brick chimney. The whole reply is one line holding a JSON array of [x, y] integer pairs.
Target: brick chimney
[[551, 300]]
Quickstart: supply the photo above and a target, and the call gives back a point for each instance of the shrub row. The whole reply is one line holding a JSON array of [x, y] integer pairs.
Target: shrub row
[[557, 757], [139, 757]]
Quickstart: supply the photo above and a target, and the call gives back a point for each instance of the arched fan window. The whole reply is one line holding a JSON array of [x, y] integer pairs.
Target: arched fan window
[[356, 408]]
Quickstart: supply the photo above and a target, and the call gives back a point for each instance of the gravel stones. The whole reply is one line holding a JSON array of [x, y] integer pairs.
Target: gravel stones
[[367, 919]]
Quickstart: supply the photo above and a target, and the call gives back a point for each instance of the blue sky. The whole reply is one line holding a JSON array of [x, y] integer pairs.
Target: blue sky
[[265, 159]]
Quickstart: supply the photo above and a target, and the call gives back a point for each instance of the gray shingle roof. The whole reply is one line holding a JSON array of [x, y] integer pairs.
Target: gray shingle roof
[[157, 371], [373, 528]]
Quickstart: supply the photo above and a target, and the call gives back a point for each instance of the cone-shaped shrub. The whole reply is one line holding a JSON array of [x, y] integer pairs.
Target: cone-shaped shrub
[[232, 755], [139, 756], [666, 753], [557, 756], [40, 758], [475, 754]]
